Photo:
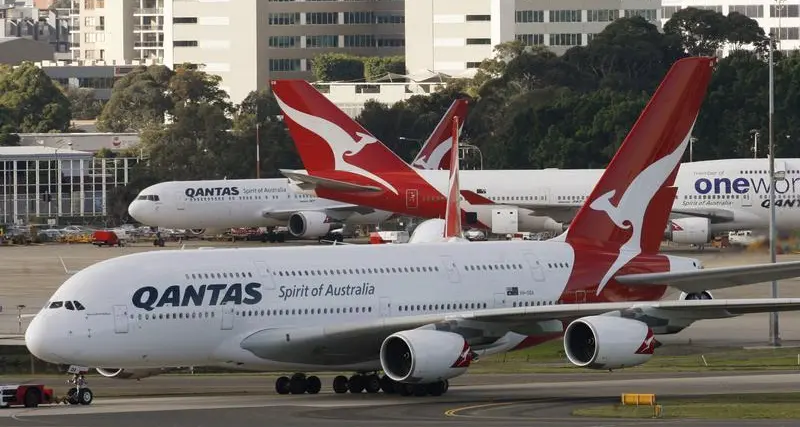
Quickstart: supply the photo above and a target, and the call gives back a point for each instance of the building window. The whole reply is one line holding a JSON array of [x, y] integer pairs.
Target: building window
[[185, 43], [359, 40], [284, 41], [712, 8], [391, 42], [284, 18], [471, 18], [785, 11], [565, 39], [531, 39], [647, 14], [565, 15], [786, 33], [668, 11], [359, 17], [322, 18], [748, 10], [602, 15], [284, 65], [389, 18], [479, 41], [322, 41], [529, 16], [474, 64], [185, 20]]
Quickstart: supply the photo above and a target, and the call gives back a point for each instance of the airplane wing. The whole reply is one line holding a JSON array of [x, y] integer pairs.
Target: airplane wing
[[565, 212], [717, 216], [338, 212], [346, 343], [310, 182], [715, 278]]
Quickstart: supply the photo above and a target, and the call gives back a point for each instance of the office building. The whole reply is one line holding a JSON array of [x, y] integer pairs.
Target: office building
[[454, 36]]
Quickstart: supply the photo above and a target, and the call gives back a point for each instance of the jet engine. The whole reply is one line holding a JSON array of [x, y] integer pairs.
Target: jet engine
[[695, 295], [607, 342], [428, 231], [128, 374], [424, 356], [695, 231], [309, 224]]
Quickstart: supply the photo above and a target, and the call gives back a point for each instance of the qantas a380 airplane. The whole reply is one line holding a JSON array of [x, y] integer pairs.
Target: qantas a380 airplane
[[712, 196], [421, 313], [220, 204]]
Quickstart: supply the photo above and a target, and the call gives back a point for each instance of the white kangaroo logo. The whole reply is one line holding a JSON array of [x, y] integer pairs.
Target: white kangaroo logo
[[341, 143], [434, 159], [629, 212]]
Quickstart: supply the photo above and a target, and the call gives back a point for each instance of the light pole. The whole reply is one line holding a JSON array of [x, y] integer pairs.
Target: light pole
[[59, 177], [779, 9], [755, 134], [258, 151], [691, 148], [774, 330], [19, 316]]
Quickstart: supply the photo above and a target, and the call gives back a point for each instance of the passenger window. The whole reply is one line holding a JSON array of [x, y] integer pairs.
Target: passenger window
[[69, 305]]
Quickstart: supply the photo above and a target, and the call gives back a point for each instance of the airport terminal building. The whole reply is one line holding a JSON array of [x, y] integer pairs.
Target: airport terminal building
[[68, 186]]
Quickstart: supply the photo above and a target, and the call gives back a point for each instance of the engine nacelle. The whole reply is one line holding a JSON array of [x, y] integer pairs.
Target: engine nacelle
[[425, 356], [197, 231], [428, 231], [607, 342], [695, 231], [695, 295], [309, 224], [128, 374]]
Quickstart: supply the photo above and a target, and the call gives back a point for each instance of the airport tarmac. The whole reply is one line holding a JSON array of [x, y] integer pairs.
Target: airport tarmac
[[30, 274], [542, 400]]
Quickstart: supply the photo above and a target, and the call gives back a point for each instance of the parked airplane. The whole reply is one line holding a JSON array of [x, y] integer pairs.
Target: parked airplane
[[421, 313], [222, 204], [713, 196]]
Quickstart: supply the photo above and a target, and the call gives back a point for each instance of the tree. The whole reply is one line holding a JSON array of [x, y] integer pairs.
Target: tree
[[32, 102], [701, 32], [378, 66], [330, 67], [742, 31], [138, 100], [83, 103]]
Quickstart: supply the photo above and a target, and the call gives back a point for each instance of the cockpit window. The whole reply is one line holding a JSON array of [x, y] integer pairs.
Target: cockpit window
[[69, 305], [56, 304], [151, 197], [79, 306]]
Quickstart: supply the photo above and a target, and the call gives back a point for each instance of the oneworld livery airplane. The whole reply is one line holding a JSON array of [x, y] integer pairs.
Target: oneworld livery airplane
[[419, 313], [213, 205], [712, 196]]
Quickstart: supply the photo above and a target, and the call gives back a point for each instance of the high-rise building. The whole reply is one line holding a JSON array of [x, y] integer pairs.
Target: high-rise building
[[454, 36], [246, 42]]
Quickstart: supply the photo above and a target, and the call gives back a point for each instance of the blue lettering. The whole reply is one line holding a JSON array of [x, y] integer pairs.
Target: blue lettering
[[253, 294], [304, 291], [211, 191], [740, 185], [146, 297], [233, 294], [215, 290], [702, 186], [196, 296], [140, 301], [171, 296], [718, 181]]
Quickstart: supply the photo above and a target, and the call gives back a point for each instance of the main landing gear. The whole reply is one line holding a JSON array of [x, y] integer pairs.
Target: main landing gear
[[358, 383]]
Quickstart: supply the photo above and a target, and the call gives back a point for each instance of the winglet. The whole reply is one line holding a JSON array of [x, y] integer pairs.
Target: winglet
[[452, 216], [435, 152]]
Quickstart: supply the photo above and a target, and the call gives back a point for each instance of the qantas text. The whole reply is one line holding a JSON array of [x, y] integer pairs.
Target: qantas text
[[305, 291], [211, 191], [743, 185], [148, 297]]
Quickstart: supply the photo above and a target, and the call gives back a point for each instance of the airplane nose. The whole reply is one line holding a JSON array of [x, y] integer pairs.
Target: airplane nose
[[136, 210], [37, 341]]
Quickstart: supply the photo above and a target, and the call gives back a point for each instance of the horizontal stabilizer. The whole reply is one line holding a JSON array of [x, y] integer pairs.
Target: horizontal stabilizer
[[715, 278], [328, 183]]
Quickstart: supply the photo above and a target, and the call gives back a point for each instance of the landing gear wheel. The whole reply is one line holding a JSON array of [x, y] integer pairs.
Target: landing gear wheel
[[436, 389], [340, 384], [420, 390], [282, 385], [85, 396], [72, 396], [446, 386], [313, 385], [388, 385], [372, 383], [297, 385], [356, 384], [32, 398], [405, 389]]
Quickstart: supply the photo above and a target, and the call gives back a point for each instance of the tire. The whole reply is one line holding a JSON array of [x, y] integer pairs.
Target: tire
[[282, 385], [32, 398], [72, 397], [85, 396], [372, 384], [340, 384], [313, 385]]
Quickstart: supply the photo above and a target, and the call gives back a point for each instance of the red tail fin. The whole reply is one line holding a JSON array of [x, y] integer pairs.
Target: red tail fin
[[435, 153], [327, 139], [452, 215], [647, 161]]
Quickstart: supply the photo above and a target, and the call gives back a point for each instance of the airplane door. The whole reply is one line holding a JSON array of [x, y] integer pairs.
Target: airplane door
[[451, 269], [580, 297], [180, 203], [386, 307], [536, 267], [227, 317], [121, 319], [265, 274], [412, 198], [499, 300]]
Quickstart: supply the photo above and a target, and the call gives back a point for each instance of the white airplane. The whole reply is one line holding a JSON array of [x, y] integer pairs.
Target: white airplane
[[713, 196], [422, 312], [202, 206]]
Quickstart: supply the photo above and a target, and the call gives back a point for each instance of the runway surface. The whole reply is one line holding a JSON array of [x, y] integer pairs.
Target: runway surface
[[536, 402]]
